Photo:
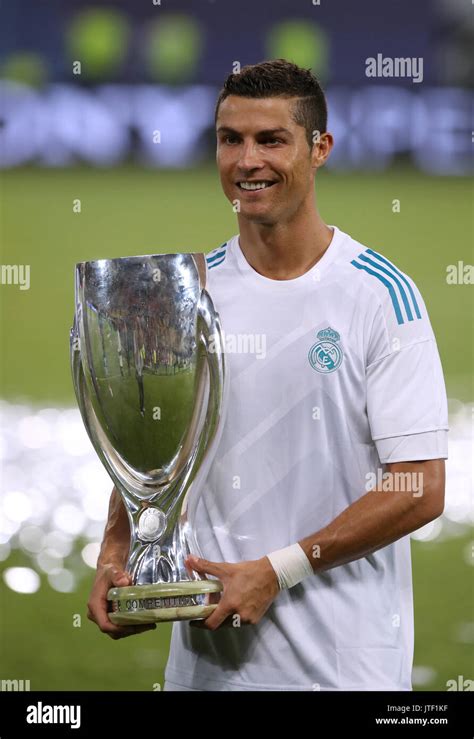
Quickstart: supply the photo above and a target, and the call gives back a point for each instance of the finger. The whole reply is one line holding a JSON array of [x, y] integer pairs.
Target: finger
[[227, 623], [98, 613], [217, 618], [124, 631], [120, 579], [204, 566], [113, 629]]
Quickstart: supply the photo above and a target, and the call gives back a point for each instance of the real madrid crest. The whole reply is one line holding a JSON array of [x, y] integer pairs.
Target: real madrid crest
[[326, 355]]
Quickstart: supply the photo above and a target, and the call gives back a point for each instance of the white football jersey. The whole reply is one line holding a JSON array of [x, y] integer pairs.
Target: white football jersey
[[332, 374]]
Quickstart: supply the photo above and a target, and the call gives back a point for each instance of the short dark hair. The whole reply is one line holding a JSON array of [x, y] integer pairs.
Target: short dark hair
[[280, 78]]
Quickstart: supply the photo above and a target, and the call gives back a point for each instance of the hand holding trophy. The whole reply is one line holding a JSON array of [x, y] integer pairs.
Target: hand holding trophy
[[149, 374]]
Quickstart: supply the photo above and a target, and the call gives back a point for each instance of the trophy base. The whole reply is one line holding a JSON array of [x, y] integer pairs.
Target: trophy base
[[158, 602]]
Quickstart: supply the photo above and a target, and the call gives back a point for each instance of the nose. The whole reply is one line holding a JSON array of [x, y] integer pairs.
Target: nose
[[249, 157]]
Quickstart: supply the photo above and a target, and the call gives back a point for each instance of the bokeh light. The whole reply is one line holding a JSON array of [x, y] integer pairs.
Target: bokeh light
[[26, 68], [22, 579], [56, 493], [98, 38], [302, 43], [172, 48], [62, 580]]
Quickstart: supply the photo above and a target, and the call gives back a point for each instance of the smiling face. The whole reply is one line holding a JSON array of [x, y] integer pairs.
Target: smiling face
[[264, 159]]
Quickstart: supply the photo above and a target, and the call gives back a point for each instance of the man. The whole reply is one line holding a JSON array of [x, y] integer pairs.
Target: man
[[333, 446]]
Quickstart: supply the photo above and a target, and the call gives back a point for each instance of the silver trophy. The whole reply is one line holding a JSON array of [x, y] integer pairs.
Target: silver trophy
[[148, 366]]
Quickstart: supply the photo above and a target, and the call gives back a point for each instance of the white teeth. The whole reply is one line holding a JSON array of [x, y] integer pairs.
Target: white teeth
[[253, 185]]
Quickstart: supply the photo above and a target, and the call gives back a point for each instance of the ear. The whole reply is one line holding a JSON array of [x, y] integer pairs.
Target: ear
[[322, 146]]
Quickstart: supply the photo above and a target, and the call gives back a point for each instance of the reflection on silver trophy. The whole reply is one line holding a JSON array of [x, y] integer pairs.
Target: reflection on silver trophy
[[151, 392]]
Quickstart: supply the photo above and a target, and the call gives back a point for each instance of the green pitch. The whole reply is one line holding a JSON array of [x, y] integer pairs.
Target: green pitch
[[128, 212], [44, 643]]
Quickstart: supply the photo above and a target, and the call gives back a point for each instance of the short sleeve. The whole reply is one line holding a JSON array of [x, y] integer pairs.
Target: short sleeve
[[406, 395]]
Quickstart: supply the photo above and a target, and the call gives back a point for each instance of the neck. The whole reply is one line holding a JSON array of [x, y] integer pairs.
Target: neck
[[285, 250]]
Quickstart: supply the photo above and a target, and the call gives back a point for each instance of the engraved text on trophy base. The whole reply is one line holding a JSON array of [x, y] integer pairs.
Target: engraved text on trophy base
[[139, 604]]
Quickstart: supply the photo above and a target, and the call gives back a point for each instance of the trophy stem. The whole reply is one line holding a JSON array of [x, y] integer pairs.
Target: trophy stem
[[164, 588]]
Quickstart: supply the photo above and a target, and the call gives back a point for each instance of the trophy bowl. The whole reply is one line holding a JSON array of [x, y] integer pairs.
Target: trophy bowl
[[148, 366]]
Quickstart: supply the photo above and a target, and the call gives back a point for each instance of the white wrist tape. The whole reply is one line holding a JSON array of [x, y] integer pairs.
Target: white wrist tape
[[291, 565]]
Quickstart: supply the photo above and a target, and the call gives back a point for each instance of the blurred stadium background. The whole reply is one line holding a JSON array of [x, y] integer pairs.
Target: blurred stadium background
[[106, 148]]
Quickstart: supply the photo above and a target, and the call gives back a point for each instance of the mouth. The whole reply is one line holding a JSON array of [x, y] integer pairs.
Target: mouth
[[255, 186]]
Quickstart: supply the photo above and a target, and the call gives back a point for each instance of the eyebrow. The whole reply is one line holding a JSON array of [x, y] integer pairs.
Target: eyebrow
[[266, 132]]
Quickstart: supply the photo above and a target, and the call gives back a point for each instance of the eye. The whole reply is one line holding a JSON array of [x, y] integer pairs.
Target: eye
[[229, 139], [272, 141]]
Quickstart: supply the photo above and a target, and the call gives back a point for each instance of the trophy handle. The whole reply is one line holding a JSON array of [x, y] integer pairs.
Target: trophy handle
[[212, 341]]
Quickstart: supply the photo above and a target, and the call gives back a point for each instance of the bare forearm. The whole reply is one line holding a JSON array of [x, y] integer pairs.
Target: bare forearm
[[116, 541], [377, 519]]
